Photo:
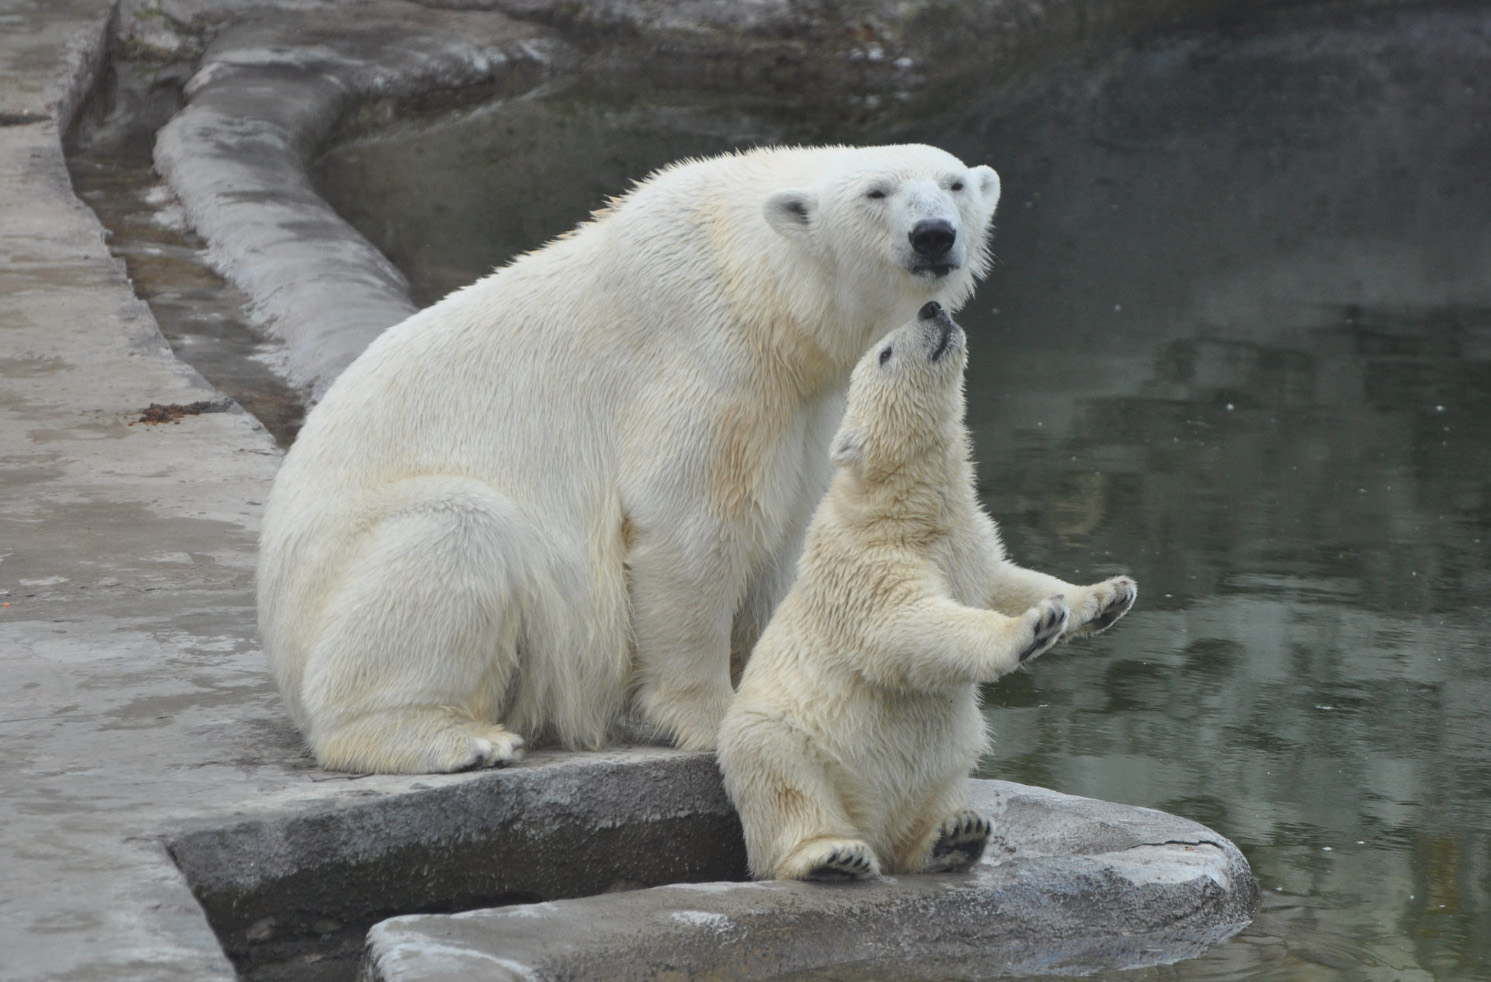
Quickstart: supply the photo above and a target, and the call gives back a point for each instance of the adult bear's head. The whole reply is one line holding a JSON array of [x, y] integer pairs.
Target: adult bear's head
[[912, 219]]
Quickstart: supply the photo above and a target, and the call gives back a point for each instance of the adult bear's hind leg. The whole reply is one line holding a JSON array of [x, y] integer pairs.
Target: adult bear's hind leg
[[420, 638]]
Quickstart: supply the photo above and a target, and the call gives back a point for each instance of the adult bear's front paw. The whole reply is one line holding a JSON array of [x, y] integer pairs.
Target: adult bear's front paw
[[1105, 603]]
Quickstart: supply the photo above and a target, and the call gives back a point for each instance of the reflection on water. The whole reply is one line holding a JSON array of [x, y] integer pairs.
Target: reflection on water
[[1238, 345]]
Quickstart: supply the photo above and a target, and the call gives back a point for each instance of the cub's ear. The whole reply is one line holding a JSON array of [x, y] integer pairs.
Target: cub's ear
[[848, 448], [988, 183], [791, 213]]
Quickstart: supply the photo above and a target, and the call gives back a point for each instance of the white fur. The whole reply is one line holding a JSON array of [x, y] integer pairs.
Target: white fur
[[591, 470], [848, 748]]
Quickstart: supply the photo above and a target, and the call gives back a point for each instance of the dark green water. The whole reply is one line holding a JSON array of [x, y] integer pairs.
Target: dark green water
[[1238, 344]]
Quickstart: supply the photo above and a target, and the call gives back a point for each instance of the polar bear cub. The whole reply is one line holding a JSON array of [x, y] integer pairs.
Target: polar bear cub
[[579, 486], [848, 747]]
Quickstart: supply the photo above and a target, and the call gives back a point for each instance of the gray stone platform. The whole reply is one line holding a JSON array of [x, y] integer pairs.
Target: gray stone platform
[[1071, 885]]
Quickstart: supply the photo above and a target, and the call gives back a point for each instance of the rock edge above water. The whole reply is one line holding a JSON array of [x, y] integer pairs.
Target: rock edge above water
[[1070, 885]]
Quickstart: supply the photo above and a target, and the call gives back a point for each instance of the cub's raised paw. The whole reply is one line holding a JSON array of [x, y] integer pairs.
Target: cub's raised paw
[[1108, 601], [836, 860], [960, 842], [1050, 617]]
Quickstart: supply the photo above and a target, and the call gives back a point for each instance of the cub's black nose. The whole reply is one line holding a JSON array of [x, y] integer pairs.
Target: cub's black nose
[[930, 310], [932, 237]]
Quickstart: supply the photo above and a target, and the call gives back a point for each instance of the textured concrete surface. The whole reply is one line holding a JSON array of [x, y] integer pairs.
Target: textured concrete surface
[[136, 718], [135, 700], [1071, 885], [303, 886]]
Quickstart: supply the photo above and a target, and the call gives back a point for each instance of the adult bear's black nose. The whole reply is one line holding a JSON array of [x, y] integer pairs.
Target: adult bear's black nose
[[932, 237], [930, 310]]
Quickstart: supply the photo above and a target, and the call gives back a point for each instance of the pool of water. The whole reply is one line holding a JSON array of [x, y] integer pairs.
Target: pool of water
[[203, 318], [1238, 344]]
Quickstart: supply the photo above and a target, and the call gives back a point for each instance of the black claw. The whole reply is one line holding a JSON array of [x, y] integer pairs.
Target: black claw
[[841, 864], [1106, 619], [1113, 611]]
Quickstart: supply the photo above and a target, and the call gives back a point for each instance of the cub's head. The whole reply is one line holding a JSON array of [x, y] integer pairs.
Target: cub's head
[[910, 221], [905, 398]]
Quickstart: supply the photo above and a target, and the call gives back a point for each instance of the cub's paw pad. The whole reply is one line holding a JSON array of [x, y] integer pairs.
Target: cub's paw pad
[[1125, 592], [844, 861], [1115, 598], [1051, 620], [960, 842]]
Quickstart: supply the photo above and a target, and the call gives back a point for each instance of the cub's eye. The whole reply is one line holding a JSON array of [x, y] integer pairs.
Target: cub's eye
[[884, 355], [955, 186], [875, 194]]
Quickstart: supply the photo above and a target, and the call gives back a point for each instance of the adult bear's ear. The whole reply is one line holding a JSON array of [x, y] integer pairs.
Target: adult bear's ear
[[988, 183], [791, 213], [848, 448]]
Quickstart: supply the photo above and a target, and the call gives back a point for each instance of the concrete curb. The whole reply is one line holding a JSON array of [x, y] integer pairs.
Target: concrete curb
[[267, 93], [1075, 886], [310, 882]]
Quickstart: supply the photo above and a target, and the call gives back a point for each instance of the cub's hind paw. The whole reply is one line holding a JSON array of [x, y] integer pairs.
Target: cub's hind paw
[[1051, 616], [833, 861], [960, 842], [853, 862], [1111, 600]]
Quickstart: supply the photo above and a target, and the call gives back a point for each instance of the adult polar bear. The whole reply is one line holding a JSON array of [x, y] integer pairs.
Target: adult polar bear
[[589, 473]]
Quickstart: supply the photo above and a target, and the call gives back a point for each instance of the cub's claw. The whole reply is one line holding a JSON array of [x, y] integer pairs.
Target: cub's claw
[[1049, 625], [960, 842], [851, 861], [1115, 598]]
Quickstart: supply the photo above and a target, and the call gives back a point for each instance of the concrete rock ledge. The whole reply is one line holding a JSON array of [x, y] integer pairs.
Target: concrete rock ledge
[[304, 885], [268, 91], [817, 44], [1072, 885]]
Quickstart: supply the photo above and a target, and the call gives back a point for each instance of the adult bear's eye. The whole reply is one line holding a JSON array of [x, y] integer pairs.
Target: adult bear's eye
[[875, 194], [956, 186], [884, 356]]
